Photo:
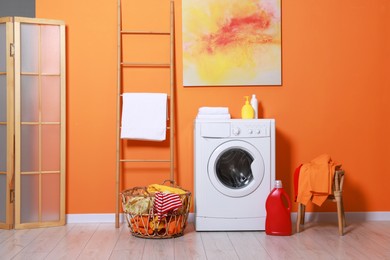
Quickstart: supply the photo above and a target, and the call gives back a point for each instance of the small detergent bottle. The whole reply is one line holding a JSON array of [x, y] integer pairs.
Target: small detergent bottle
[[247, 111], [278, 220], [255, 106]]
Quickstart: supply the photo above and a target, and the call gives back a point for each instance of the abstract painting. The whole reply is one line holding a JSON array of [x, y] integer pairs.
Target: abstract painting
[[231, 42]]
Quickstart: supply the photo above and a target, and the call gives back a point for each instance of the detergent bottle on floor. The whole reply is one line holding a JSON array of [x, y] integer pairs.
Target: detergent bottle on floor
[[278, 206]]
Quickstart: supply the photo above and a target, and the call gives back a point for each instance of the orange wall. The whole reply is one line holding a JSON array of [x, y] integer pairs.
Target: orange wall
[[334, 98]]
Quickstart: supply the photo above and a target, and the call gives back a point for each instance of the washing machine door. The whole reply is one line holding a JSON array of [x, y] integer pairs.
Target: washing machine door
[[236, 168]]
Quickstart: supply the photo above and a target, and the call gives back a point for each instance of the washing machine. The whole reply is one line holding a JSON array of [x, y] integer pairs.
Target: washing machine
[[234, 173]]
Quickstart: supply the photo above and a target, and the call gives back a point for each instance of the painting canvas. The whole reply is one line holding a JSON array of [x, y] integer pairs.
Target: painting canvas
[[231, 42]]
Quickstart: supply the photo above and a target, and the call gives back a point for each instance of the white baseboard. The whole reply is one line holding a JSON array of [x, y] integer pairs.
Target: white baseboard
[[102, 218], [309, 216], [350, 216], [91, 218]]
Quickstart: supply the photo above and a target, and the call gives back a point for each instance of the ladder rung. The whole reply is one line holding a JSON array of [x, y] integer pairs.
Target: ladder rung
[[141, 160], [145, 32], [131, 64]]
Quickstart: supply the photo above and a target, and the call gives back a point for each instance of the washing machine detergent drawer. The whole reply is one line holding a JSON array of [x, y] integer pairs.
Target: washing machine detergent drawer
[[215, 130]]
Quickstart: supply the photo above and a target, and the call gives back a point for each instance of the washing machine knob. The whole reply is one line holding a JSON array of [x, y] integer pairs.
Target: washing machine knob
[[250, 131], [236, 131]]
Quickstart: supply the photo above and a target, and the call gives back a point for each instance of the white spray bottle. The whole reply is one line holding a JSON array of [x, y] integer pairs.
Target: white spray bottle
[[255, 106]]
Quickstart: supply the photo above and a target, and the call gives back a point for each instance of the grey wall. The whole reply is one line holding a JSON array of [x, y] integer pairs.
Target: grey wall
[[25, 8]]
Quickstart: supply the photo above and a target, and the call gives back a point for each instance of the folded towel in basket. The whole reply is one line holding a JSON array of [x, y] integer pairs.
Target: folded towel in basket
[[144, 116]]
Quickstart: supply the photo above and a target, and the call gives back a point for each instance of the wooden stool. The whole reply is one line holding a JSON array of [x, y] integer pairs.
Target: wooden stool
[[336, 196]]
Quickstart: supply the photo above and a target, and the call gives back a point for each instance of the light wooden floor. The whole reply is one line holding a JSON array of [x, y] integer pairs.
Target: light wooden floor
[[364, 240]]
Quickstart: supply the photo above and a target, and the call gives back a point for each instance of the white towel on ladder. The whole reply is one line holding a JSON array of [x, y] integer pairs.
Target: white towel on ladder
[[144, 116]]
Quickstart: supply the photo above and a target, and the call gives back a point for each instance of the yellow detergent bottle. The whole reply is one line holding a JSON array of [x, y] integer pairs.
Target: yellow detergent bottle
[[247, 111]]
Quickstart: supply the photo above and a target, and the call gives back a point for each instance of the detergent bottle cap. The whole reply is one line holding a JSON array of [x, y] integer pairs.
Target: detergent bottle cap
[[278, 184]]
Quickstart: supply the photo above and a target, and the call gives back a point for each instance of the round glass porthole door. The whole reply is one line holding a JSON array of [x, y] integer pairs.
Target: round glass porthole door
[[236, 168], [233, 168]]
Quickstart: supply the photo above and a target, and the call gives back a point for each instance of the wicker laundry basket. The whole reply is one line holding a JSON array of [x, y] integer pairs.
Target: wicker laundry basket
[[145, 222]]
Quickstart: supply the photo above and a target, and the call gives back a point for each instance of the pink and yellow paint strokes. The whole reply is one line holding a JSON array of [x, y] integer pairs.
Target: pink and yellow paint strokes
[[231, 42]]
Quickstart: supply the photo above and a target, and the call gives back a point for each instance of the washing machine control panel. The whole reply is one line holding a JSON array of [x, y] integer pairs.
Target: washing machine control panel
[[250, 129]]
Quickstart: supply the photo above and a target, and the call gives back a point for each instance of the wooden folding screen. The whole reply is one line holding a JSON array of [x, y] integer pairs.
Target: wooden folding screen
[[32, 123]]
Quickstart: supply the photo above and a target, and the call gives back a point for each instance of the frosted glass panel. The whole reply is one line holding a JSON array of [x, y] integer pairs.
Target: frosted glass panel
[[50, 49], [29, 204], [3, 49], [50, 197], [29, 99], [3, 194], [29, 34], [3, 148], [29, 148], [51, 98], [50, 147], [3, 98]]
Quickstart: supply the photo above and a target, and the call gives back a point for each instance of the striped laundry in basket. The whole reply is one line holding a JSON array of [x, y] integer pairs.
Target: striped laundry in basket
[[164, 202]]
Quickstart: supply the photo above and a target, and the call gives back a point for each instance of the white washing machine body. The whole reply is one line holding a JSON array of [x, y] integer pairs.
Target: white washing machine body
[[234, 173]]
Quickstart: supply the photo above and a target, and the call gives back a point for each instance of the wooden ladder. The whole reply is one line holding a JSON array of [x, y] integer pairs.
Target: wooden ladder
[[122, 65]]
